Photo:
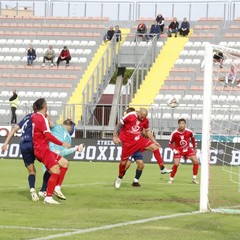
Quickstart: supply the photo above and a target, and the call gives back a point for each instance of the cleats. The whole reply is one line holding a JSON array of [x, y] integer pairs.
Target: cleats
[[165, 170], [50, 200], [117, 183], [136, 184], [81, 147], [195, 181], [42, 194], [43, 65], [170, 181], [34, 195], [51, 64], [58, 193]]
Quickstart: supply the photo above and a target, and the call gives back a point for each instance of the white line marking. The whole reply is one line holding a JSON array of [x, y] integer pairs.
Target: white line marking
[[38, 228], [81, 231]]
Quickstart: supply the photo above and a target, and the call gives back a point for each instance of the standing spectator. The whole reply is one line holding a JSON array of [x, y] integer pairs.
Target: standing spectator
[[184, 29], [14, 104], [109, 35], [142, 31], [218, 57], [118, 33], [160, 21], [31, 55], [173, 27], [155, 30], [231, 76], [49, 56], [64, 56]]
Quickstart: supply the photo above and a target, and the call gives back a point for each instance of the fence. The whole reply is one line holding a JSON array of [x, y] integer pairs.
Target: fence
[[124, 11]]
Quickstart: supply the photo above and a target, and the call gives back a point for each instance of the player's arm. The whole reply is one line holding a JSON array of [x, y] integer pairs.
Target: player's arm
[[194, 143], [53, 139], [10, 135], [150, 136], [172, 144], [116, 139]]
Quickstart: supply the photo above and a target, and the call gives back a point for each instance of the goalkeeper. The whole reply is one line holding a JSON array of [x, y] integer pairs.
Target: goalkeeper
[[61, 132]]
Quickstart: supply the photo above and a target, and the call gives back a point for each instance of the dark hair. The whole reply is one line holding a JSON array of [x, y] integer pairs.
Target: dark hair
[[39, 104], [181, 120], [68, 122], [130, 109]]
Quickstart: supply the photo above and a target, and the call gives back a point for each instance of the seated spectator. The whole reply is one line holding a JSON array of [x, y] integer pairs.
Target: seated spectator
[[64, 56], [231, 76], [142, 31], [118, 33], [109, 35], [160, 21], [185, 28], [155, 30], [49, 56], [173, 27], [31, 55], [218, 57]]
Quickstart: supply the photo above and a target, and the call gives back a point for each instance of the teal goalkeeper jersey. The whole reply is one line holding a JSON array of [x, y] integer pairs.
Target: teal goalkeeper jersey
[[62, 135]]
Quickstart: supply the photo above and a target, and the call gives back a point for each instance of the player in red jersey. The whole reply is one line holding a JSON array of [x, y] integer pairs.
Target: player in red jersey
[[180, 144], [54, 163], [132, 140]]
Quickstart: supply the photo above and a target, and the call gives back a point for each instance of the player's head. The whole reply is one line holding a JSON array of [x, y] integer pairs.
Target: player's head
[[69, 125], [130, 109], [65, 48], [181, 123], [142, 114], [40, 105]]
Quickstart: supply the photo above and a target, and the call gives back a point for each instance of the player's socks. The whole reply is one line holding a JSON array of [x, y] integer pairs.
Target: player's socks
[[195, 169], [61, 175], [46, 176], [31, 180], [121, 169], [52, 182], [137, 175], [124, 172], [174, 170], [158, 157]]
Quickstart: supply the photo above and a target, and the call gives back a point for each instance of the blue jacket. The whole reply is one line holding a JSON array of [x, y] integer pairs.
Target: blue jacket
[[185, 25], [155, 29]]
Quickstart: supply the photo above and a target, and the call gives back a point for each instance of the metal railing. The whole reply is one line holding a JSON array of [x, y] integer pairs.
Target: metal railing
[[124, 10], [140, 72]]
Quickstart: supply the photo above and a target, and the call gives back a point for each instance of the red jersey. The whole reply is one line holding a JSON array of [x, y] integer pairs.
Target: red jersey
[[40, 126], [132, 127], [181, 140]]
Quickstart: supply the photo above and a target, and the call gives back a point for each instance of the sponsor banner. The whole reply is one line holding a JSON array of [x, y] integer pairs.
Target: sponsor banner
[[106, 151]]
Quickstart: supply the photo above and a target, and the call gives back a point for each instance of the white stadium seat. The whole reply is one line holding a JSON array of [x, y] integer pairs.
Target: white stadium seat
[[159, 97], [29, 94], [79, 51], [22, 50], [167, 116], [60, 43], [62, 95], [10, 41], [74, 59], [87, 51], [91, 43], [8, 58], [188, 44], [200, 52], [187, 61], [83, 43], [52, 42], [18, 42], [16, 59], [68, 43], [75, 43], [26, 42], [179, 61], [44, 42], [184, 53], [36, 42], [1, 58], [126, 44], [231, 44], [46, 94], [196, 61], [159, 44], [82, 60], [192, 53], [13, 50], [197, 44], [5, 50], [3, 41]]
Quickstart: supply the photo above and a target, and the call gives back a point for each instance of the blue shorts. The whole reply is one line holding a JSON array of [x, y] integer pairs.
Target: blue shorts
[[27, 153], [137, 156]]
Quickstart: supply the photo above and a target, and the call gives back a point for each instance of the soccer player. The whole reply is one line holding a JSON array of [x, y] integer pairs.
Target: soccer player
[[63, 133], [132, 140], [180, 144], [54, 163], [27, 152]]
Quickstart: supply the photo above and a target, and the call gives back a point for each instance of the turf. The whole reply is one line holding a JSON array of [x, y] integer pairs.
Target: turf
[[92, 201]]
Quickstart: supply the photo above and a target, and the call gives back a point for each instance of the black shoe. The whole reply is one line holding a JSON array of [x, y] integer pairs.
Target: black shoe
[[136, 184]]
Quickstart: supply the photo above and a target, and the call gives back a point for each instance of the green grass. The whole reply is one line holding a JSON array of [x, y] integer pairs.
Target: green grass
[[92, 201]]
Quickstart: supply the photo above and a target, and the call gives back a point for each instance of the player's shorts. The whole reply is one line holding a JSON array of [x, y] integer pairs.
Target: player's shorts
[[186, 154], [130, 147], [137, 156], [27, 153], [48, 158]]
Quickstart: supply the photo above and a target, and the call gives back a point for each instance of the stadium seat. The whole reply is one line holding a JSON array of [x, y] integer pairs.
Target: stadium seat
[[167, 116], [60, 43], [5, 50], [179, 61], [188, 44], [26, 42], [36, 42], [196, 61], [3, 41], [18, 41], [92, 43], [197, 44], [75, 43], [8, 58], [10, 41], [192, 53], [16, 59], [83, 43]]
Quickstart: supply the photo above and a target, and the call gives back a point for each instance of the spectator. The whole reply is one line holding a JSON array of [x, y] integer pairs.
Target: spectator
[[231, 76], [31, 55], [142, 31], [173, 27], [64, 56], [155, 30], [118, 33], [218, 57], [185, 27], [109, 35], [49, 56], [160, 21], [14, 104]]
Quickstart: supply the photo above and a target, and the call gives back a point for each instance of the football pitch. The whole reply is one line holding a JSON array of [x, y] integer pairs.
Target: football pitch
[[94, 210]]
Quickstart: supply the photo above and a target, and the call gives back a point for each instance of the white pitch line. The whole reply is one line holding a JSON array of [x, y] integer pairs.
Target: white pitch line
[[88, 230], [38, 228]]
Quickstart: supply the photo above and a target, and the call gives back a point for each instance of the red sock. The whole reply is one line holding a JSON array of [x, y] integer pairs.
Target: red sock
[[52, 182], [158, 157], [61, 176], [121, 169], [174, 168], [195, 169]]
